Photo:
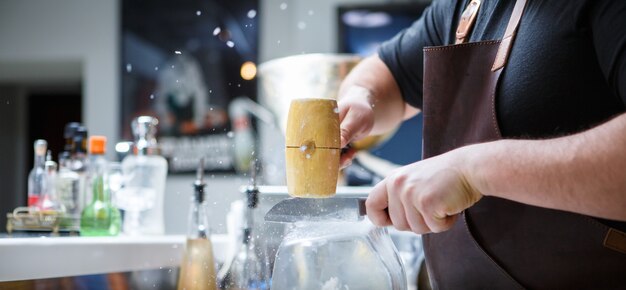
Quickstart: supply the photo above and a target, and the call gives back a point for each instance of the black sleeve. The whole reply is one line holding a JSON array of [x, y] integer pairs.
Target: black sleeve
[[608, 20], [403, 53]]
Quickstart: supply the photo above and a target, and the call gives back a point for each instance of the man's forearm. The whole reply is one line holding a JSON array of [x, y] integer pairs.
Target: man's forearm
[[372, 80], [583, 173]]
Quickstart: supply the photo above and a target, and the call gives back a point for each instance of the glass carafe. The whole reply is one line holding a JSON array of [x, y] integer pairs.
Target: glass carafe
[[144, 175], [338, 255]]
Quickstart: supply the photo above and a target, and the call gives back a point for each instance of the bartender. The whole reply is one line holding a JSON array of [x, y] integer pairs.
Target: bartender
[[523, 182]]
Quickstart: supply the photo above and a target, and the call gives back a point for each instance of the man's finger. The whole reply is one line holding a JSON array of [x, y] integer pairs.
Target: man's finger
[[376, 205], [416, 220], [347, 155], [396, 211], [350, 128], [437, 224]]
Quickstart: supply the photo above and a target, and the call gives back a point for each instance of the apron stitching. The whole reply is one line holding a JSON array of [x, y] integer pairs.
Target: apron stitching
[[453, 46], [493, 110], [466, 227], [595, 222]]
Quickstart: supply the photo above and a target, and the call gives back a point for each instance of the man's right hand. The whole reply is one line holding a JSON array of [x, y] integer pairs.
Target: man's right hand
[[356, 117]]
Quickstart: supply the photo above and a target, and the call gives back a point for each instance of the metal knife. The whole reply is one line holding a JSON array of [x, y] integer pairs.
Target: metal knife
[[317, 209]]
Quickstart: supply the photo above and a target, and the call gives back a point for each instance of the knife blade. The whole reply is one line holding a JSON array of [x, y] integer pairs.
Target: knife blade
[[317, 209]]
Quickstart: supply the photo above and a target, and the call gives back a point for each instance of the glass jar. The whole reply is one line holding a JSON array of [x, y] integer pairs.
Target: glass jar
[[338, 255]]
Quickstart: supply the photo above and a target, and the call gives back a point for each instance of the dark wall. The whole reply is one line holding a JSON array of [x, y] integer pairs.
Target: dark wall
[[27, 113], [12, 143]]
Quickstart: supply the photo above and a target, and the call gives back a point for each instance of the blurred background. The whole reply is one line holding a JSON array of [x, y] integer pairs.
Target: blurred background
[[102, 63]]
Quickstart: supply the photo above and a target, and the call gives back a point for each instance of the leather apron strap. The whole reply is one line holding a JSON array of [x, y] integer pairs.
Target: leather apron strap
[[509, 36]]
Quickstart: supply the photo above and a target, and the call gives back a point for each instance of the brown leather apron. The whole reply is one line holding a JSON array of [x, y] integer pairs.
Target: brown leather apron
[[497, 243]]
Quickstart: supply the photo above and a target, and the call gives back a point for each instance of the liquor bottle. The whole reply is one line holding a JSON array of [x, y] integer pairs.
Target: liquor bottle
[[49, 201], [145, 173], [37, 178], [243, 134], [197, 270], [68, 135], [100, 217], [68, 182], [245, 270], [79, 166], [68, 187]]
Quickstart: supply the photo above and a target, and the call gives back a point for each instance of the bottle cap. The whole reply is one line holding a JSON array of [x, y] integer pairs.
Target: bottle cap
[[199, 184], [70, 129], [97, 144], [144, 129], [80, 140], [50, 165], [40, 146]]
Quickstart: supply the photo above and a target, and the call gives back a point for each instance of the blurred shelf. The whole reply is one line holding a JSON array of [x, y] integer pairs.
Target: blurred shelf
[[50, 257]]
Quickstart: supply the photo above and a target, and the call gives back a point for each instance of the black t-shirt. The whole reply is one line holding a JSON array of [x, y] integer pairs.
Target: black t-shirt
[[566, 71]]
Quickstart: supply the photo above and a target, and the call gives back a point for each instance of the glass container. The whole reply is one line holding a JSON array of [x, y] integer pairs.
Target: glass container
[[338, 255], [145, 173], [99, 217], [197, 270]]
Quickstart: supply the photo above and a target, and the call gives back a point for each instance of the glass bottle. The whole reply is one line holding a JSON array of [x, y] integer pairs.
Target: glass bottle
[[68, 135], [49, 201], [37, 178], [245, 270], [100, 217], [197, 270], [68, 187], [79, 166], [145, 173]]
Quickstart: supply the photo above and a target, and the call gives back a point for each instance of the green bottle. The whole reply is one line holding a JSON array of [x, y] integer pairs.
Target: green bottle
[[99, 217]]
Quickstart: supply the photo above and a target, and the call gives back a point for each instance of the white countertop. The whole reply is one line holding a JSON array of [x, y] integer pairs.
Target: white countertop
[[49, 257]]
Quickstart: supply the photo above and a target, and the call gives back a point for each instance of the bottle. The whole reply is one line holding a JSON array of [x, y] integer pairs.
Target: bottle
[[243, 134], [49, 201], [197, 270], [68, 182], [100, 217], [37, 178], [144, 178], [68, 187], [245, 270], [79, 166], [68, 135]]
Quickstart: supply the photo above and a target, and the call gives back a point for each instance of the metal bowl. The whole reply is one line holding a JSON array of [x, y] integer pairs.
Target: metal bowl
[[316, 75], [302, 76]]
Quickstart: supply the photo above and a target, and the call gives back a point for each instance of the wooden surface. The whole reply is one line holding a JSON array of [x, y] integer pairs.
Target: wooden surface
[[313, 148]]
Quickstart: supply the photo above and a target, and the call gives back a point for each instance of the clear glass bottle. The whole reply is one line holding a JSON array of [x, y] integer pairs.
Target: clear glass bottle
[[100, 217], [197, 270], [68, 135], [68, 181], [49, 201], [68, 187], [79, 166], [37, 178], [145, 173], [246, 269]]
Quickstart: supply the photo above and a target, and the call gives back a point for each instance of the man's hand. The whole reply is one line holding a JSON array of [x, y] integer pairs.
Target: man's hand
[[369, 103], [356, 117], [425, 196]]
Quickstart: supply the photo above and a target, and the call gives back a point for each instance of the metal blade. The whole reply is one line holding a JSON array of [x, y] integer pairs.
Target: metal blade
[[317, 209]]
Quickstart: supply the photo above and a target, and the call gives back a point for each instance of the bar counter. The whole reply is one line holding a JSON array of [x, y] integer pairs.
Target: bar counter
[[29, 258]]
